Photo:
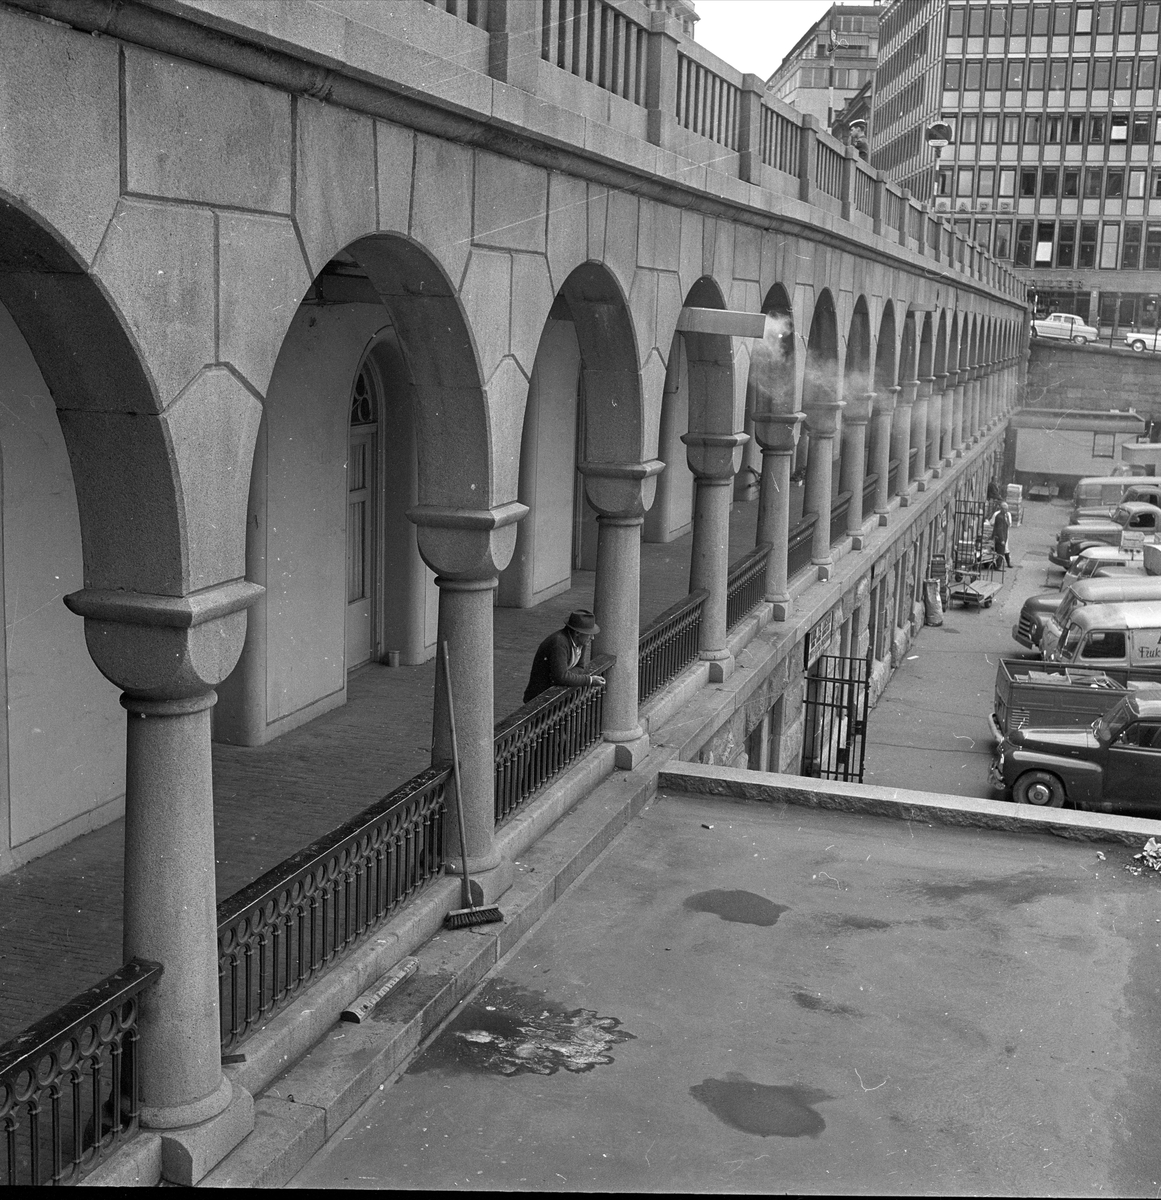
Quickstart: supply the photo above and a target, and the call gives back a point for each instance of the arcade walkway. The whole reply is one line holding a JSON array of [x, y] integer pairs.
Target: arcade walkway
[[60, 915]]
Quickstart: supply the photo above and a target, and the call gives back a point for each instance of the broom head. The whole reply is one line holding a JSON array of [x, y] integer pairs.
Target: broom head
[[462, 918]]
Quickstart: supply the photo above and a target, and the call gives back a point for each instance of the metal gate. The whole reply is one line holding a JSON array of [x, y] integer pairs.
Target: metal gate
[[834, 740], [968, 535]]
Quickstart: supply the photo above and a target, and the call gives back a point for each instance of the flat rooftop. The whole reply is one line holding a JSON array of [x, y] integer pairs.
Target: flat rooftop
[[744, 996]]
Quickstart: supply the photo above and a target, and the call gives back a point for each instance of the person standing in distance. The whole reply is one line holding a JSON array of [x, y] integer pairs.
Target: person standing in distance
[[1001, 525], [557, 660]]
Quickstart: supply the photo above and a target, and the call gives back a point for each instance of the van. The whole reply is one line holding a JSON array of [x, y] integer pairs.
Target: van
[[1096, 591], [1104, 561], [1096, 497], [1123, 640]]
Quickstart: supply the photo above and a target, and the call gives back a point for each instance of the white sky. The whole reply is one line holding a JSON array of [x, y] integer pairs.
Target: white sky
[[755, 35]]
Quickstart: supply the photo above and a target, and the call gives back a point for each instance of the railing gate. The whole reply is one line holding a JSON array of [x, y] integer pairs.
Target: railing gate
[[838, 692]]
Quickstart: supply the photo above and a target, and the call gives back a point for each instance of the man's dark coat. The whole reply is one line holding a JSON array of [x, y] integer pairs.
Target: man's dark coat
[[550, 666]]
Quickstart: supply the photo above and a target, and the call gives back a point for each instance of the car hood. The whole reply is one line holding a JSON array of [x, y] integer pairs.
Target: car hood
[[1047, 603], [1054, 740], [1087, 529]]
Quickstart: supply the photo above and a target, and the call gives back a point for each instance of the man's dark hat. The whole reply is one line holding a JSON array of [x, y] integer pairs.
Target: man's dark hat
[[583, 621]]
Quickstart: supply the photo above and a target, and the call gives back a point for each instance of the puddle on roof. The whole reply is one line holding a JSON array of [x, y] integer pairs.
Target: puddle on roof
[[763, 1109], [746, 908]]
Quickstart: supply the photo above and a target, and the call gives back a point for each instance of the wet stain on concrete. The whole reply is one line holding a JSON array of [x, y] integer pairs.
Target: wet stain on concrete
[[1021, 888], [854, 922], [746, 908], [818, 1004], [763, 1109], [508, 1030]]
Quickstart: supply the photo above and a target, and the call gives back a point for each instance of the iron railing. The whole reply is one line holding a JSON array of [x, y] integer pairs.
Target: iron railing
[[279, 934], [668, 644], [839, 508], [746, 584], [69, 1083], [538, 741], [892, 476], [798, 545]]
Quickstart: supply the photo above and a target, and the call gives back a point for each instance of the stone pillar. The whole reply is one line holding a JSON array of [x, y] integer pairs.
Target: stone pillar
[[777, 435], [901, 439], [943, 448], [919, 428], [959, 380], [822, 422], [168, 653], [881, 448], [973, 403], [853, 461], [467, 549], [621, 493], [714, 459]]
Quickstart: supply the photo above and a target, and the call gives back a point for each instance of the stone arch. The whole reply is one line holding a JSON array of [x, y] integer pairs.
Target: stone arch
[[857, 363], [885, 358], [939, 361], [908, 351], [770, 381], [711, 367], [820, 383]]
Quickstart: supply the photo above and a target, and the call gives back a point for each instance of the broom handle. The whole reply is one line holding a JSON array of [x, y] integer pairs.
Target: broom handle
[[451, 716]]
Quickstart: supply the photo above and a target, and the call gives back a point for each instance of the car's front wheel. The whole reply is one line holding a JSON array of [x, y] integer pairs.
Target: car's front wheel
[[1039, 787], [1080, 339], [1138, 345], [1035, 332]]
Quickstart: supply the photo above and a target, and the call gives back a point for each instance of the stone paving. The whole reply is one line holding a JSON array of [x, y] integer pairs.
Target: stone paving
[[60, 915]]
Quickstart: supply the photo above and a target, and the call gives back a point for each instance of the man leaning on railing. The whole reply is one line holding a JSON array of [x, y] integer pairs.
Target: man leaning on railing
[[558, 657]]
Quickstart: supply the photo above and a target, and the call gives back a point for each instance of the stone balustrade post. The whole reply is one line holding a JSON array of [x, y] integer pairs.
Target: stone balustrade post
[[660, 77], [167, 654], [777, 435], [853, 461], [822, 423], [901, 439], [714, 459], [750, 97], [467, 549], [621, 493], [807, 153], [879, 203], [884, 411], [514, 45], [848, 167]]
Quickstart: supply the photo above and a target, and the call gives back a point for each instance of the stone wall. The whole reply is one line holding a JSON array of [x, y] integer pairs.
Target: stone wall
[[1093, 379]]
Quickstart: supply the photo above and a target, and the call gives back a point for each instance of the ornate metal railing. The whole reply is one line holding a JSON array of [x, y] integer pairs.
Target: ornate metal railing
[[838, 517], [668, 644], [283, 931], [798, 545], [538, 741], [746, 584], [892, 476], [68, 1084]]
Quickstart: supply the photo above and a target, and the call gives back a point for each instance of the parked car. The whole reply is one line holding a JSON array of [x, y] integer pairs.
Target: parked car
[[1143, 341], [1113, 766], [1136, 517], [1096, 498], [1064, 325], [1104, 562]]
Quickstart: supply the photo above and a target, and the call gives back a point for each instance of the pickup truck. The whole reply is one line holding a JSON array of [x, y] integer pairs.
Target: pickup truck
[[1039, 694], [1136, 517], [1145, 492], [1114, 766]]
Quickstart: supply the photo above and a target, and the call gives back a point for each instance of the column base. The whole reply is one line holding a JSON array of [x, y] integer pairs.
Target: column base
[[959, 452], [904, 499], [825, 570], [780, 609], [937, 472], [721, 664], [488, 884], [628, 752], [856, 540], [883, 518], [921, 485], [189, 1153]]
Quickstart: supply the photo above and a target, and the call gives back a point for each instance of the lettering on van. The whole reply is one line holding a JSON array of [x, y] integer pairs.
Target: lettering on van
[[1146, 646]]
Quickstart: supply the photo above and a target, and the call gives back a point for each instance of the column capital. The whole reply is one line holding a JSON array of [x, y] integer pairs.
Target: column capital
[[467, 543], [907, 392], [942, 381], [714, 456], [621, 489], [777, 431], [859, 408], [165, 647], [822, 419]]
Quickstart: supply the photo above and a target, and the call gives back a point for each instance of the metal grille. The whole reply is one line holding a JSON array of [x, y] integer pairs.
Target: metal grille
[[279, 934], [968, 535], [835, 725], [746, 584], [668, 645], [69, 1086]]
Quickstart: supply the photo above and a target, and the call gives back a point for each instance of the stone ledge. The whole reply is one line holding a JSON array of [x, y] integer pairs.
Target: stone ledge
[[903, 805]]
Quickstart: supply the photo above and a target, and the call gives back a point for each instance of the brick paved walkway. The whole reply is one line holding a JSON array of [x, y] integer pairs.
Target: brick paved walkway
[[60, 916]]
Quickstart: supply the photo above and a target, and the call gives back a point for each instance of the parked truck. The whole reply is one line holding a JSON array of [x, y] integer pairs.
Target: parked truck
[[1134, 518], [1044, 694]]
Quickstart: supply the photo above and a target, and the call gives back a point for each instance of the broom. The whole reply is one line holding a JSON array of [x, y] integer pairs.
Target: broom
[[470, 914]]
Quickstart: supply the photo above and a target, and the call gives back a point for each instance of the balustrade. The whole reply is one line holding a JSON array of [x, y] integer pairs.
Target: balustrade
[[598, 43], [745, 585], [475, 12], [828, 170], [864, 197], [779, 141], [668, 644], [69, 1088], [707, 103]]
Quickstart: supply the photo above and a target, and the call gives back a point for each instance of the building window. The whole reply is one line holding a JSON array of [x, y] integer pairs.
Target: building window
[[994, 78], [1045, 232], [1105, 14], [1119, 128], [1092, 183], [1052, 128], [971, 75], [1156, 185], [1066, 244], [1023, 244], [1049, 181], [1015, 74], [1070, 186], [1036, 75], [1040, 20], [1140, 129], [1149, 23], [1110, 235], [1003, 247], [955, 22], [1101, 73], [987, 182], [1115, 183], [1018, 20], [997, 26], [1086, 254], [952, 73], [1153, 248], [1011, 129], [1136, 183], [1104, 445], [1060, 20], [1058, 74], [1084, 19], [943, 182], [1032, 130], [1075, 131], [1096, 129], [967, 130], [1028, 182], [1129, 18], [1007, 181], [1079, 73], [984, 234], [990, 128], [1146, 73], [1131, 246], [963, 181], [1123, 79]]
